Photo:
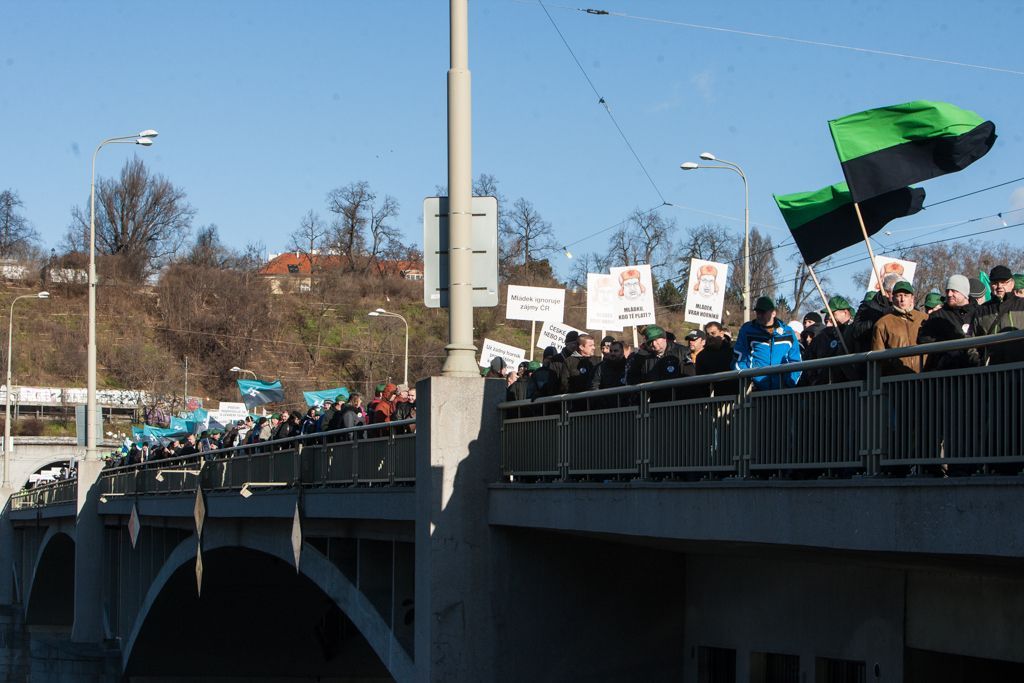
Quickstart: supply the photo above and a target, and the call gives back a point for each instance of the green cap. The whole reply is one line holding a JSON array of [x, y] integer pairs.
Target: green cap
[[1018, 280], [933, 299], [869, 295], [380, 388], [534, 366], [652, 332], [764, 304], [838, 303], [903, 286], [275, 416]]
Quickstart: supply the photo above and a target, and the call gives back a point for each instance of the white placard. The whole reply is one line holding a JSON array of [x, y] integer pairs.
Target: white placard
[[231, 411], [534, 303], [705, 292], [513, 355], [602, 302], [635, 295], [886, 264], [553, 334]]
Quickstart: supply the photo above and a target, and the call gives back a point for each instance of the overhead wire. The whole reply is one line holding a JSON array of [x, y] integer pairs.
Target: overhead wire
[[790, 39]]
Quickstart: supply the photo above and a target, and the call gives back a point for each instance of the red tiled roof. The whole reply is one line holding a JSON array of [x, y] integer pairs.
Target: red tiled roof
[[279, 265]]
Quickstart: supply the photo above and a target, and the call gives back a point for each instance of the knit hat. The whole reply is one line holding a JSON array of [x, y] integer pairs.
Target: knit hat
[[549, 351], [903, 286], [652, 332], [534, 366], [977, 288], [1018, 280], [764, 304], [999, 274], [608, 339], [379, 388], [868, 296], [814, 317], [959, 283], [572, 336], [498, 364]]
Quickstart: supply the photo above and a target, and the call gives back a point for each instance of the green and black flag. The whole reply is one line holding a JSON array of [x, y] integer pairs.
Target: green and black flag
[[889, 148], [823, 221]]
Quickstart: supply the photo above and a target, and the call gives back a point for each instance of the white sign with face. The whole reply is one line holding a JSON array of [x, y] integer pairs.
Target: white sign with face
[[705, 291], [534, 303], [491, 349], [553, 334], [602, 302], [886, 264], [635, 295]]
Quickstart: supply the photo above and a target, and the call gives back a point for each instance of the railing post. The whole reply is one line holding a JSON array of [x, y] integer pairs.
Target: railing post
[[563, 440], [874, 418], [643, 434]]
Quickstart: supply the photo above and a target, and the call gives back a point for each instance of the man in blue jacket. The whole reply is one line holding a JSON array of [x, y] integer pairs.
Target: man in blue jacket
[[765, 342]]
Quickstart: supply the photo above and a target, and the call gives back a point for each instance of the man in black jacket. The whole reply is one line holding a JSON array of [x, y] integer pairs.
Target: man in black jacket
[[659, 360], [830, 343], [870, 312], [951, 321], [1002, 313]]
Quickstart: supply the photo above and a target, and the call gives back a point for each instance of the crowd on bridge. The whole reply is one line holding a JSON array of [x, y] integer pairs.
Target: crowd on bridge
[[390, 403], [887, 319]]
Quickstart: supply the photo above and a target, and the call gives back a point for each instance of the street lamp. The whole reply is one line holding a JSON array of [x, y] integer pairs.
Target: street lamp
[[238, 369], [730, 166], [8, 446], [381, 313], [145, 138]]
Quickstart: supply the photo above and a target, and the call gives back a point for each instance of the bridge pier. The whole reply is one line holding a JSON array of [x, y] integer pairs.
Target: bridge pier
[[88, 622], [457, 457]]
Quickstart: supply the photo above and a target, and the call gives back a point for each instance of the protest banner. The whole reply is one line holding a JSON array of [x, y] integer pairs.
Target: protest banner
[[886, 264], [635, 295], [512, 355], [602, 303], [553, 334], [705, 291], [535, 303]]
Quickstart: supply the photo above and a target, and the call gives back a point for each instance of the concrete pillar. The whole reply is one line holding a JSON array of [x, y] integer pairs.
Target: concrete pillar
[[457, 457], [88, 623], [7, 596]]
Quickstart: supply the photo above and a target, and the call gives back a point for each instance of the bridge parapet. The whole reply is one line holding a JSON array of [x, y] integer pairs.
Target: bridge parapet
[[959, 421], [53, 493]]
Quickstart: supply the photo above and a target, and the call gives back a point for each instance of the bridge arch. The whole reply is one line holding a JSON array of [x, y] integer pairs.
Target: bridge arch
[[229, 554], [49, 589]]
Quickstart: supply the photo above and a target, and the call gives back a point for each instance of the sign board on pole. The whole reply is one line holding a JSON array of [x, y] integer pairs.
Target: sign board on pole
[[705, 291], [886, 264], [229, 411], [435, 252], [635, 295], [602, 302], [553, 334], [513, 355], [535, 303]]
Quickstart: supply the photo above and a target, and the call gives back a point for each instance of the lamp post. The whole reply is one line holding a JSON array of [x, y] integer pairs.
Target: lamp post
[[8, 446], [238, 369], [145, 138], [730, 166], [381, 313]]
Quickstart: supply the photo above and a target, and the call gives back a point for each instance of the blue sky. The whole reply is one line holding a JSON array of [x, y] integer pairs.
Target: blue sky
[[263, 107]]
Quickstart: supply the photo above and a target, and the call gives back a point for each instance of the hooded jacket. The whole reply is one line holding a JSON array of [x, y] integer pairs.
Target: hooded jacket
[[758, 347]]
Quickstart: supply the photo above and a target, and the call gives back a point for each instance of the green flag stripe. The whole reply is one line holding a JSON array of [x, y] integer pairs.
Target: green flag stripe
[[801, 208], [877, 129]]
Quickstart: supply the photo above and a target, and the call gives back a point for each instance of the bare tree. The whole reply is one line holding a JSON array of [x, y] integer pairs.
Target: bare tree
[[351, 205], [936, 262], [17, 236], [707, 242], [804, 290], [583, 264], [644, 238], [310, 238], [384, 236], [763, 268], [141, 218], [527, 236], [208, 251]]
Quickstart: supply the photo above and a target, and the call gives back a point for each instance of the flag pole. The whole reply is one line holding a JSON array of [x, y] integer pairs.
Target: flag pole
[[828, 308], [867, 241], [533, 334]]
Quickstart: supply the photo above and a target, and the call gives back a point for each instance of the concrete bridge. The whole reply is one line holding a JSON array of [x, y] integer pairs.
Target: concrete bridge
[[650, 533]]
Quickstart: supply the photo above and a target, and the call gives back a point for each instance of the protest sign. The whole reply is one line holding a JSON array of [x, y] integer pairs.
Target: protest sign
[[886, 264], [705, 291], [602, 302], [512, 355], [553, 334], [231, 411], [534, 303], [635, 295]]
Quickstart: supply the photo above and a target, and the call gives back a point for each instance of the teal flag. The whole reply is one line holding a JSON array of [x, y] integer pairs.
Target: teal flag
[[315, 399], [256, 393]]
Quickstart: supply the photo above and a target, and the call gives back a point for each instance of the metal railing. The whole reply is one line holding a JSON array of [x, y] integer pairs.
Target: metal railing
[[949, 422], [42, 495], [379, 454]]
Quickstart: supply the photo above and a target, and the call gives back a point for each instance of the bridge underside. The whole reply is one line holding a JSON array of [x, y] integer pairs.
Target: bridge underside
[[256, 618]]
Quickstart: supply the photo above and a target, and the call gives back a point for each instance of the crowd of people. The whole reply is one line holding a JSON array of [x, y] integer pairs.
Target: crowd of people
[[390, 403], [885, 319]]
